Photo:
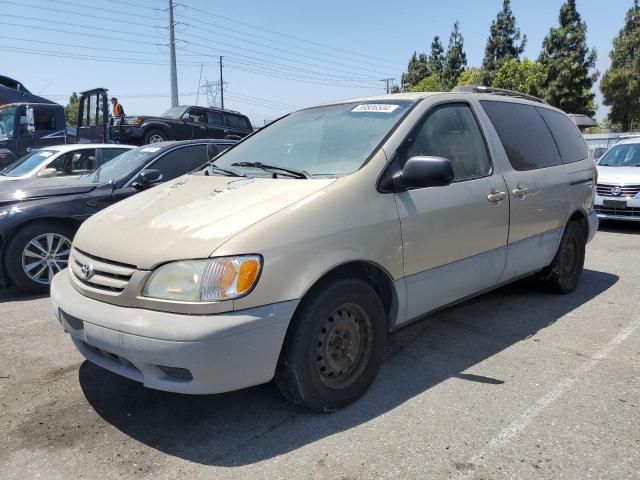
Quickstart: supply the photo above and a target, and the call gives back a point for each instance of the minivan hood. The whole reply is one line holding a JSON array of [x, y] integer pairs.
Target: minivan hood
[[618, 175], [188, 218]]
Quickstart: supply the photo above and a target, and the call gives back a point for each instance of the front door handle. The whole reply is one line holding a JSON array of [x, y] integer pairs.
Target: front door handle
[[496, 196], [520, 191]]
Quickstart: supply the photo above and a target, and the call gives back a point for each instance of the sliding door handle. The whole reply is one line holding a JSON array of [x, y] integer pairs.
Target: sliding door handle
[[520, 191]]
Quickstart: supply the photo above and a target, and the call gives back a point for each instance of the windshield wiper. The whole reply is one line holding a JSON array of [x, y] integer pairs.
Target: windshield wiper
[[224, 171], [274, 168]]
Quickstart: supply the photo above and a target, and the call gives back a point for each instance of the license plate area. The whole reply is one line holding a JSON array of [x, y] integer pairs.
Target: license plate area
[[617, 204]]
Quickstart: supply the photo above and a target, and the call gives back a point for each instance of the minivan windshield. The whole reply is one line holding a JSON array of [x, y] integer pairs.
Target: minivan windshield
[[624, 155], [332, 140], [122, 165], [28, 163]]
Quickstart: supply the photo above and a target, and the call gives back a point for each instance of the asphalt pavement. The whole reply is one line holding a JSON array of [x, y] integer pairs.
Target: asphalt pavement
[[516, 383]]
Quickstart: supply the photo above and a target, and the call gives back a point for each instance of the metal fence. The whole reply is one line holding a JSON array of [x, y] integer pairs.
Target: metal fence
[[607, 140]]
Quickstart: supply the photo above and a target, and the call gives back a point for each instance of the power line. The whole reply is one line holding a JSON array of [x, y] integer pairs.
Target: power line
[[77, 25], [72, 45], [66, 12], [284, 50], [280, 57], [79, 56], [298, 39]]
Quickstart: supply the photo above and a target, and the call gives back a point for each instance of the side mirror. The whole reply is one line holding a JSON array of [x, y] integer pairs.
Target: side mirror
[[31, 124], [423, 172], [47, 173], [148, 178], [185, 117]]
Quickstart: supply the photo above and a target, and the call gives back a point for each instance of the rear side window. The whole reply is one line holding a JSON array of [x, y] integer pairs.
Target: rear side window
[[235, 121], [111, 153], [176, 162], [215, 118], [567, 136], [524, 135]]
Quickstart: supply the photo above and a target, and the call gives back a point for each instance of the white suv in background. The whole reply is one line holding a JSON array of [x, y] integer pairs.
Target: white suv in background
[[618, 190]]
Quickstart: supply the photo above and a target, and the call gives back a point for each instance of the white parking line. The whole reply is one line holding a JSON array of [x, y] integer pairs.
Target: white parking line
[[523, 421]]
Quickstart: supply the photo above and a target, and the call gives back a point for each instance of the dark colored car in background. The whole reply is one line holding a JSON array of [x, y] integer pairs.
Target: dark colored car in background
[[38, 221], [181, 123]]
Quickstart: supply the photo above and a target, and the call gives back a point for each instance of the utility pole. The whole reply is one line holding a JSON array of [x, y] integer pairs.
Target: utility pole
[[221, 86], [388, 82], [172, 59]]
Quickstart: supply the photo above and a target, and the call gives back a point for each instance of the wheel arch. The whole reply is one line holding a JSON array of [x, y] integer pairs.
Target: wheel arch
[[166, 129], [581, 218], [369, 272], [7, 236]]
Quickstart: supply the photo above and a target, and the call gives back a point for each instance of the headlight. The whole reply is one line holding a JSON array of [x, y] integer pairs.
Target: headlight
[[137, 121], [214, 279]]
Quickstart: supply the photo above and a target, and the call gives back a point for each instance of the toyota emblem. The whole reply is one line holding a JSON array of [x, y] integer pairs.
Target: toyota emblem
[[616, 191], [87, 271]]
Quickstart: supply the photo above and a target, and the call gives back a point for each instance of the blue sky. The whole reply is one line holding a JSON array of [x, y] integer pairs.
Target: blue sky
[[280, 54]]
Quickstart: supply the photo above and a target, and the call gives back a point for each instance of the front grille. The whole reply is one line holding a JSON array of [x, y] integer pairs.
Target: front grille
[[99, 273], [628, 191], [619, 212]]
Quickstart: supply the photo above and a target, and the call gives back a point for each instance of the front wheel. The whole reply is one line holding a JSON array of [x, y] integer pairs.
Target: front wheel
[[36, 253], [335, 346], [155, 136], [564, 273]]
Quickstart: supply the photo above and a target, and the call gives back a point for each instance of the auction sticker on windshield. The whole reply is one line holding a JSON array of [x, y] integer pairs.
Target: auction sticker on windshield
[[375, 107], [150, 149]]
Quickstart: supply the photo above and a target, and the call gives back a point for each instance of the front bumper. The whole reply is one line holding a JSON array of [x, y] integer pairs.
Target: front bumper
[[126, 134], [195, 354], [628, 210]]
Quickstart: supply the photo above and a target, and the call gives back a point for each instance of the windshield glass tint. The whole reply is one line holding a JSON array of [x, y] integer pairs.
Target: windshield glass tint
[[174, 112], [28, 163], [7, 121], [626, 155], [122, 165], [333, 140]]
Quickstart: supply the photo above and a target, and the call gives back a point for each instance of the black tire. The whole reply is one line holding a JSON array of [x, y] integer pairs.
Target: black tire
[[17, 247], [563, 275], [320, 366], [154, 136]]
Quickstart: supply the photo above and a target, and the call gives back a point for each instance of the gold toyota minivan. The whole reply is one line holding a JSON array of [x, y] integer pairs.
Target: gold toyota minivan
[[296, 252]]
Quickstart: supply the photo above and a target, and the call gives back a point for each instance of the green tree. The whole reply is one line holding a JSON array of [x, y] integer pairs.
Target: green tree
[[569, 64], [435, 62], [526, 76], [432, 83], [455, 62], [620, 84], [417, 69], [71, 110], [504, 42], [471, 76]]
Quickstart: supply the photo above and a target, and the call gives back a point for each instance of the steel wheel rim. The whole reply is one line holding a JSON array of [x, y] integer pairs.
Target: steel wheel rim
[[156, 139], [343, 346], [44, 256]]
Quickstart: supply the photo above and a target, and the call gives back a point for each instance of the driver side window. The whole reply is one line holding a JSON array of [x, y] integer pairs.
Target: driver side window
[[452, 132], [198, 115]]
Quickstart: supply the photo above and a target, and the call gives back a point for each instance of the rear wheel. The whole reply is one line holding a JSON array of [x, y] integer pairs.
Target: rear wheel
[[155, 136], [564, 273], [335, 346], [36, 253]]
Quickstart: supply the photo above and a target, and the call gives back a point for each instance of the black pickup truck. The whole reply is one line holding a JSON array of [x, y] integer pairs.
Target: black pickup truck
[[181, 123]]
